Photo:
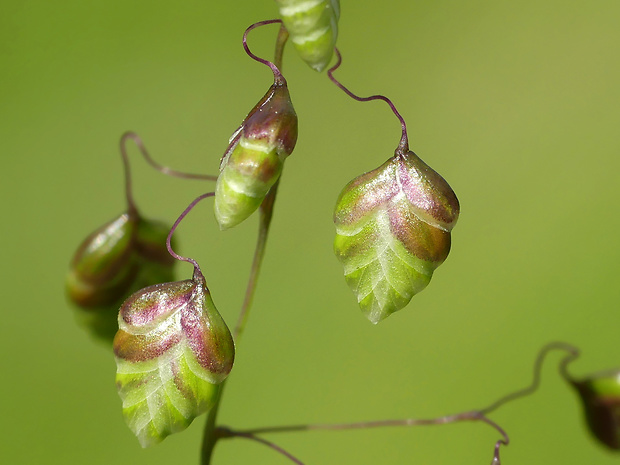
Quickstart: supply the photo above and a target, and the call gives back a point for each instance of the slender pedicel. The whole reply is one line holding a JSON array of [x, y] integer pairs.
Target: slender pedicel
[[197, 271], [277, 75], [572, 354], [403, 146], [224, 433], [161, 168]]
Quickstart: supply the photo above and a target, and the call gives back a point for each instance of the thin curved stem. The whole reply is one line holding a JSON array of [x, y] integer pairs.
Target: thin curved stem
[[197, 271], [130, 135], [474, 415], [464, 416], [226, 433], [280, 43], [505, 441], [403, 146], [277, 75], [131, 205], [573, 353]]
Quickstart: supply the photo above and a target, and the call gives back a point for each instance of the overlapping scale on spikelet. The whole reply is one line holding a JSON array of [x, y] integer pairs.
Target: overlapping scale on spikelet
[[392, 231]]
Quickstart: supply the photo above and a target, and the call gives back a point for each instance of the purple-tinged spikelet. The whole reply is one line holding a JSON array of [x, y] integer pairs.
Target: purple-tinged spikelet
[[393, 229], [172, 350], [255, 157]]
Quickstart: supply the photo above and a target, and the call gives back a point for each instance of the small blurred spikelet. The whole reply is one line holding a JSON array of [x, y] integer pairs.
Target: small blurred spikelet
[[254, 160], [120, 257], [313, 28], [172, 350], [392, 230], [600, 397]]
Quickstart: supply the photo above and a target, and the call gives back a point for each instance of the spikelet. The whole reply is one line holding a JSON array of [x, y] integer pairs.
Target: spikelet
[[392, 230], [120, 257], [172, 350], [255, 157], [313, 28]]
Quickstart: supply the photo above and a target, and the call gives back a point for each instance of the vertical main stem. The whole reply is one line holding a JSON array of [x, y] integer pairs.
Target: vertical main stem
[[210, 438], [266, 212]]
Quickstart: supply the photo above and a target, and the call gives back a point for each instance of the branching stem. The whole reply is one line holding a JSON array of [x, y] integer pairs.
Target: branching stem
[[129, 135], [474, 415], [226, 433]]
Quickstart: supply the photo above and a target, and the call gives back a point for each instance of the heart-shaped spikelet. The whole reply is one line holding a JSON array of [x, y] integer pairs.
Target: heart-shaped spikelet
[[392, 230], [172, 350]]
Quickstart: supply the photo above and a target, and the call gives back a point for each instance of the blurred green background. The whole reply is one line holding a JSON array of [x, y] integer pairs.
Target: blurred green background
[[514, 103]]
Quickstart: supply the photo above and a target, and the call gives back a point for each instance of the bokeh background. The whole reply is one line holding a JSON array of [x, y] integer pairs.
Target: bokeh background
[[514, 103]]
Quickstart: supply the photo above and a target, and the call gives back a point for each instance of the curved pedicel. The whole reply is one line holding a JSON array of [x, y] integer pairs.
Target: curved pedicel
[[172, 350], [313, 28], [392, 230]]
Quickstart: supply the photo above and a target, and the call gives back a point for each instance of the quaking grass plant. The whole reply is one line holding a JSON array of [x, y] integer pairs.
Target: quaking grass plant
[[393, 224]]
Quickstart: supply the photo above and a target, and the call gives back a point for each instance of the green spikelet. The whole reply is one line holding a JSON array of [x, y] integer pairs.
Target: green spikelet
[[313, 28], [392, 230], [172, 350], [120, 257], [255, 157]]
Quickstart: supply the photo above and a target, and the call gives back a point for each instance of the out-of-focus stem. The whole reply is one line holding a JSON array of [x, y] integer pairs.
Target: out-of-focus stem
[[210, 436]]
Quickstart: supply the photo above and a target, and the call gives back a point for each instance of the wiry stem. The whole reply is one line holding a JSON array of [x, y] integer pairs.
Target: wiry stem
[[129, 135], [131, 205], [403, 146], [474, 415], [197, 271], [226, 433], [505, 441], [279, 79], [573, 353]]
